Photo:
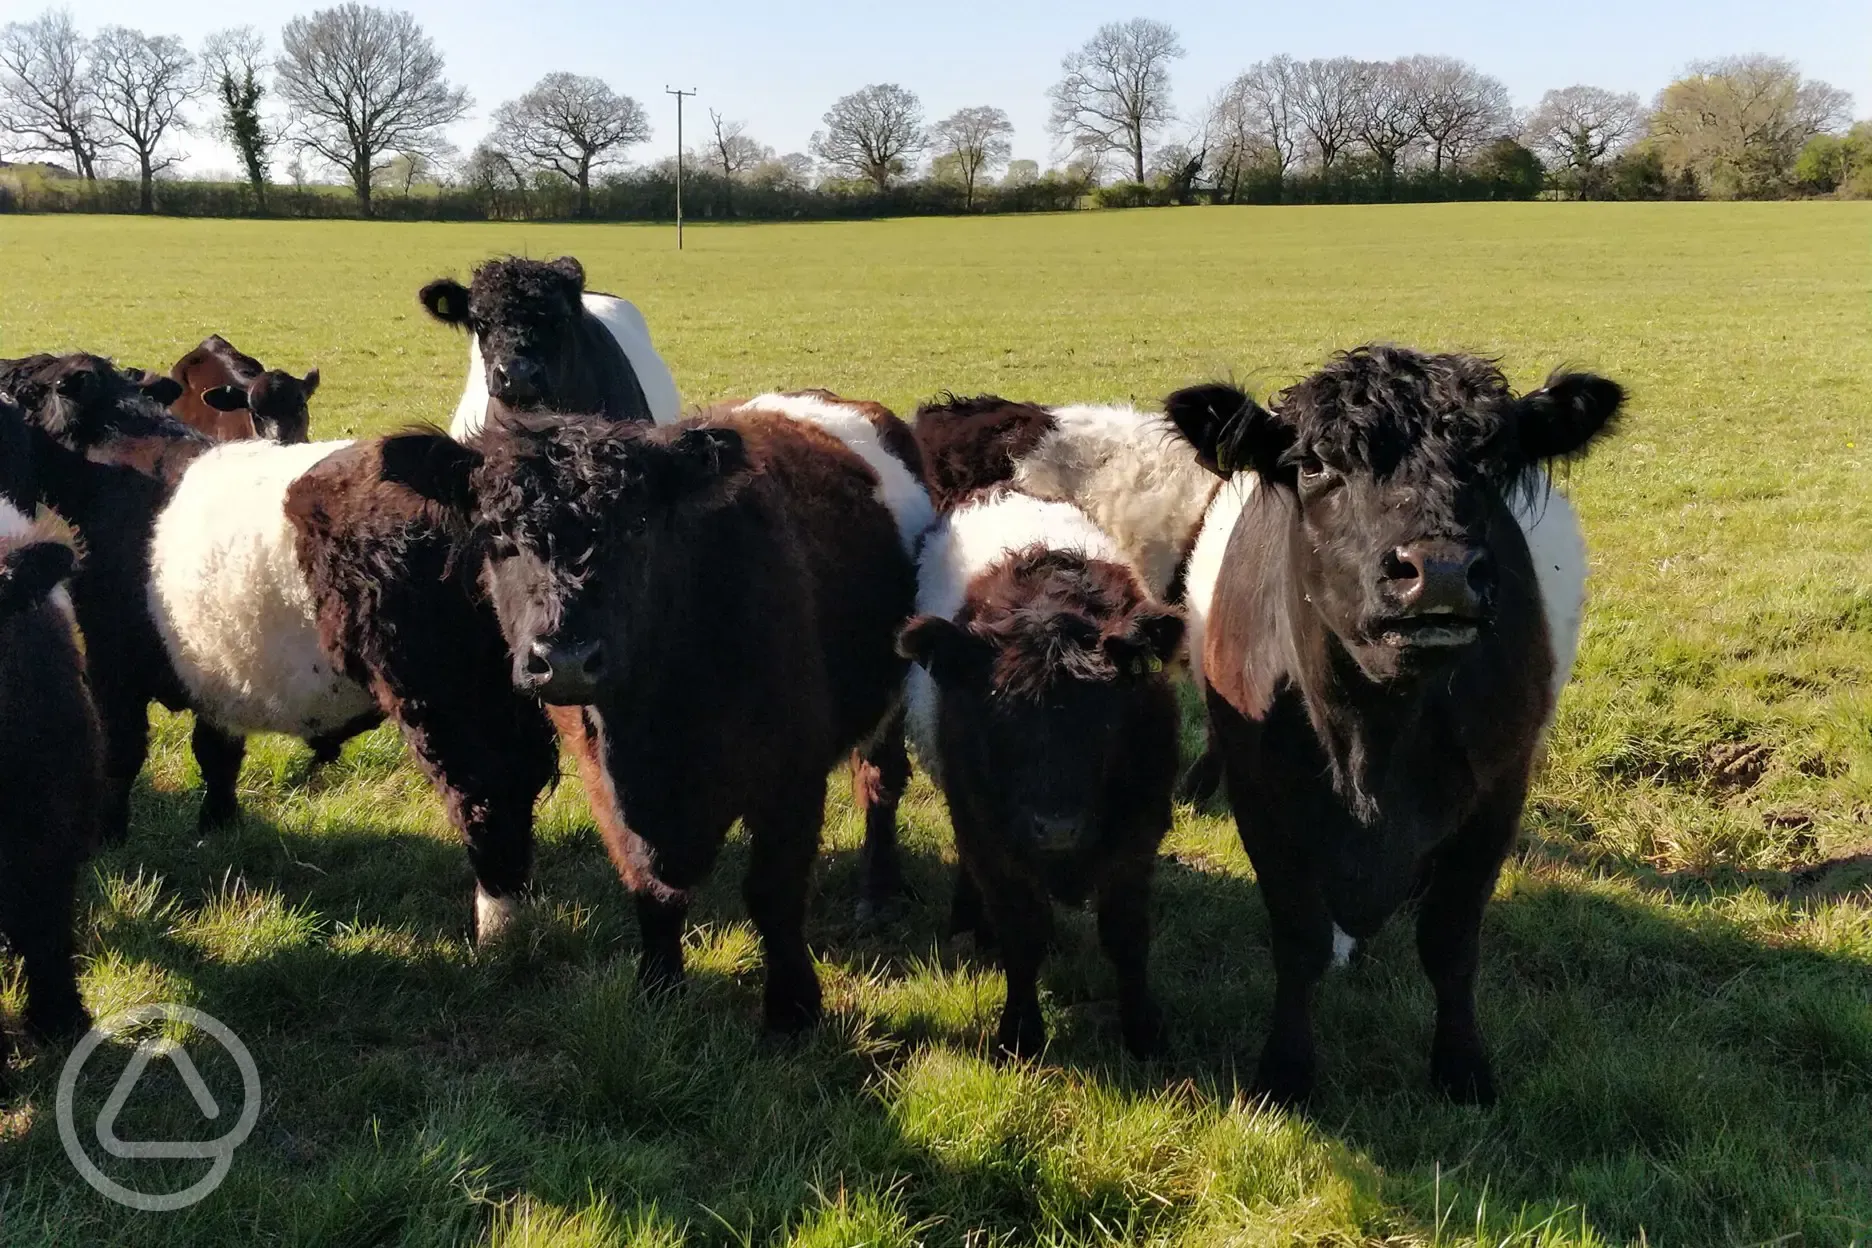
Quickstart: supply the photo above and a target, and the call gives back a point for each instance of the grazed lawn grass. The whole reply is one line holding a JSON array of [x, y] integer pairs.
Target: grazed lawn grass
[[1678, 968]]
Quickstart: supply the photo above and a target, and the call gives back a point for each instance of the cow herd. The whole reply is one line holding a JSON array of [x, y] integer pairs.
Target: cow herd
[[1369, 579]]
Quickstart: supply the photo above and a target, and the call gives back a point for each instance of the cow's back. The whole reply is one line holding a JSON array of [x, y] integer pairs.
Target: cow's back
[[232, 603]]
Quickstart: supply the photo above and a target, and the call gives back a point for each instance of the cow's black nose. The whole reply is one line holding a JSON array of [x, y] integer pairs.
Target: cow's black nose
[[563, 673], [515, 381], [1439, 577]]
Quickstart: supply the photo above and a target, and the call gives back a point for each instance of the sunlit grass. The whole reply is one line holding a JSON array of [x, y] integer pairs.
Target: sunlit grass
[[1677, 977]]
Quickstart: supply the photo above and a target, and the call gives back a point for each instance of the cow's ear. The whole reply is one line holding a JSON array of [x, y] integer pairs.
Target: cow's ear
[[162, 390], [569, 268], [430, 463], [28, 573], [947, 651], [701, 466], [225, 398], [1229, 431], [1149, 643], [447, 301], [1564, 416], [310, 384]]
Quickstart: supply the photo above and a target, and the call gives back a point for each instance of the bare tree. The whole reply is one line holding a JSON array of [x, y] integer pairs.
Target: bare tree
[[235, 61], [1253, 123], [1739, 124], [1116, 92], [871, 133], [1459, 108], [571, 125], [46, 102], [142, 84], [978, 139], [733, 151], [1326, 102], [365, 84], [1577, 128], [1385, 119]]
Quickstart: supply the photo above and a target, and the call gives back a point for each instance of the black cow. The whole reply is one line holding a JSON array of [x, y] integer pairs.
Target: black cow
[[51, 776], [1383, 638], [539, 341]]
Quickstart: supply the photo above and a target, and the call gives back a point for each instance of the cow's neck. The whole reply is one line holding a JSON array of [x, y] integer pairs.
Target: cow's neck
[[1372, 732]]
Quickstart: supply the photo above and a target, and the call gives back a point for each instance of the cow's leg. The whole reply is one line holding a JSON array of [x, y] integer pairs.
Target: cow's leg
[[125, 718], [1023, 919], [219, 756], [1300, 929], [1449, 943], [1203, 777], [36, 910], [1124, 934], [966, 913], [880, 774], [783, 839], [489, 763], [662, 911], [662, 915]]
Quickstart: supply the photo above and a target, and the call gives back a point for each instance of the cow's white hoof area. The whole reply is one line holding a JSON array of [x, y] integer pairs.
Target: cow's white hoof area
[[493, 917], [1343, 947]]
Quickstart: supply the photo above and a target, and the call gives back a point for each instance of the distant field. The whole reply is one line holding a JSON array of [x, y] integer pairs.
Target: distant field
[[1677, 972]]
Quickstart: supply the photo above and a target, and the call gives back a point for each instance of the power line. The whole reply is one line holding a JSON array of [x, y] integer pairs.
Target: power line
[[679, 94]]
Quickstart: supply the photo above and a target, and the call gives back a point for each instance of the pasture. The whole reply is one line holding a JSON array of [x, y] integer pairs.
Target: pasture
[[1677, 970]]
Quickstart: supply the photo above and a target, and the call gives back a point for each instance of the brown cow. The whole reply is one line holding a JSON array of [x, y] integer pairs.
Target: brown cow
[[719, 599], [229, 396]]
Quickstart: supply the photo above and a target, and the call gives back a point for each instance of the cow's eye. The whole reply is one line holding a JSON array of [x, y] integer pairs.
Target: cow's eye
[[1315, 475], [503, 547]]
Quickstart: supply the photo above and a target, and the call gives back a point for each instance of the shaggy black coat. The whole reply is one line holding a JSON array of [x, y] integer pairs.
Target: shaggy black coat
[[1372, 748], [542, 350]]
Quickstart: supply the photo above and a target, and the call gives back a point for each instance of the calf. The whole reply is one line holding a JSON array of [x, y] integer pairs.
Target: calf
[[1387, 601], [1042, 708], [52, 777], [714, 605], [229, 395], [539, 341]]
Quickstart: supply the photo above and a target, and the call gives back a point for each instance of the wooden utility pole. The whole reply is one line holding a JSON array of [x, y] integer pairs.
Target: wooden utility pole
[[679, 94]]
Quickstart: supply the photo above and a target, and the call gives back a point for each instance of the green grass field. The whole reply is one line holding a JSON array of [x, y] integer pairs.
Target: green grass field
[[1677, 975]]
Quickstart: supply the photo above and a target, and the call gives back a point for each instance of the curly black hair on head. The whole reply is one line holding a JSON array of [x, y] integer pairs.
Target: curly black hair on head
[[1046, 613], [556, 483], [1372, 408]]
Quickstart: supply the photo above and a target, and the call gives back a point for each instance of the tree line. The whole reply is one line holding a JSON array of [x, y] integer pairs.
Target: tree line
[[359, 96]]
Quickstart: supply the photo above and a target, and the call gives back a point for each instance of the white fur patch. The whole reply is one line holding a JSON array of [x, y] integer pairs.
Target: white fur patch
[[1205, 565], [1342, 948], [1132, 473], [898, 488], [493, 915], [233, 608], [1558, 549], [627, 326], [14, 523], [968, 542]]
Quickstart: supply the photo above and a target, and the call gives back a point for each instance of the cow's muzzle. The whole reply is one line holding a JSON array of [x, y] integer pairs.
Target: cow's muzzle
[[563, 673]]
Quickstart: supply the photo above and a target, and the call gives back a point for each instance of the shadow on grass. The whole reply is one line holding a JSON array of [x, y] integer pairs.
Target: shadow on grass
[[1665, 1070]]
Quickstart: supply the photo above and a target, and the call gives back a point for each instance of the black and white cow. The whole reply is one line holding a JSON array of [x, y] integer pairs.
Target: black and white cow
[[1385, 602], [294, 589], [539, 341]]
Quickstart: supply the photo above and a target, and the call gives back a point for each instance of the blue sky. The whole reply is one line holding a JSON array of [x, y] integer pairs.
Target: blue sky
[[779, 65]]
